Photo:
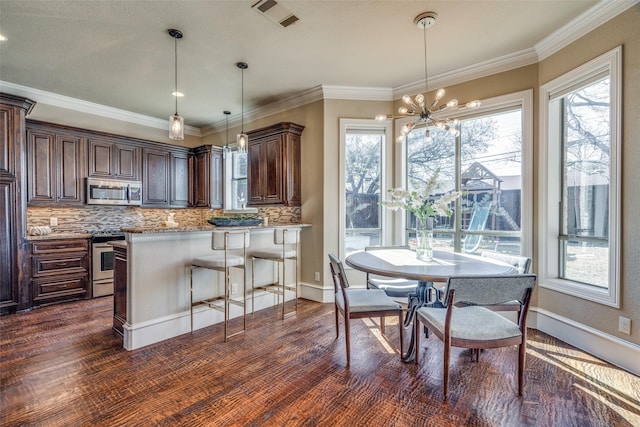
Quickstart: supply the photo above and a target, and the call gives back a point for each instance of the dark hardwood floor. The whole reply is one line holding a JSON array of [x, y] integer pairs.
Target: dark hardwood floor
[[63, 366]]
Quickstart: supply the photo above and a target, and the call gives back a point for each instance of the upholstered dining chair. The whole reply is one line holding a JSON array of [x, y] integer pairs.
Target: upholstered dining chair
[[360, 303], [468, 322], [521, 263], [394, 287]]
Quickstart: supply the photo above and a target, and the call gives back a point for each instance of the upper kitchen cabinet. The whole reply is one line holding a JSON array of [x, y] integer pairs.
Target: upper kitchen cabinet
[[274, 165], [155, 177], [113, 159], [207, 177], [165, 177], [13, 110], [55, 166]]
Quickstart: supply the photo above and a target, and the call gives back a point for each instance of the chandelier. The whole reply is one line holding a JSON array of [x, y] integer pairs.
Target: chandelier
[[428, 113], [176, 123]]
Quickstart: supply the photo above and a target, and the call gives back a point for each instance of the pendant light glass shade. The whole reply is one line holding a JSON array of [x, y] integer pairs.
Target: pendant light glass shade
[[176, 123], [176, 127], [242, 139]]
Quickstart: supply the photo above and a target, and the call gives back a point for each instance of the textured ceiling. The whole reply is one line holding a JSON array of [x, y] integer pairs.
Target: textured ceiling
[[118, 53]]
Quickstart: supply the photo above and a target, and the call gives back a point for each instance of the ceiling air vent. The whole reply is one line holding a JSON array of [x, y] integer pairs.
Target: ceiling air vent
[[275, 12]]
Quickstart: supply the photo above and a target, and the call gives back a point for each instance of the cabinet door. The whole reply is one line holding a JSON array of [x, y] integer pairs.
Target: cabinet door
[[255, 185], [69, 167], [155, 177], [41, 167], [101, 158], [119, 289], [179, 180], [127, 159], [217, 180], [272, 172], [202, 181], [8, 247]]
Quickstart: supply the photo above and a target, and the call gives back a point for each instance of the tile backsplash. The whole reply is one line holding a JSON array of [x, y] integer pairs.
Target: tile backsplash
[[89, 218]]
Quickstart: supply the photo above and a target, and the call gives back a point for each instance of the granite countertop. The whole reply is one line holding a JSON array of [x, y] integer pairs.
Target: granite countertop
[[179, 229], [53, 236], [118, 243]]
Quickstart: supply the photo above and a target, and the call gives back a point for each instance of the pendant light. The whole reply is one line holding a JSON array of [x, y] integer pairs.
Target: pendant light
[[242, 139], [225, 149], [176, 123]]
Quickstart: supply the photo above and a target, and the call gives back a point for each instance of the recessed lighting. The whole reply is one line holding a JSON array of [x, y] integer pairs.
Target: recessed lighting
[[3, 38], [178, 94]]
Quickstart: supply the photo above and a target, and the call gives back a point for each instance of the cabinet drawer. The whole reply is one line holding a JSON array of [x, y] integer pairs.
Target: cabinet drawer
[[59, 264], [59, 288], [59, 246]]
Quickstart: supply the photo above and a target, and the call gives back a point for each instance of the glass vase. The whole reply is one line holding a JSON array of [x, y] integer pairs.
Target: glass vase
[[424, 239]]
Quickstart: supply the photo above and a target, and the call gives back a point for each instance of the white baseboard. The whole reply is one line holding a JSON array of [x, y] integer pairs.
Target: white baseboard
[[316, 292], [614, 350]]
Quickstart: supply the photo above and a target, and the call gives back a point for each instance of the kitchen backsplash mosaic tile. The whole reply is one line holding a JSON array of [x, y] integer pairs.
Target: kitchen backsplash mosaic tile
[[96, 218]]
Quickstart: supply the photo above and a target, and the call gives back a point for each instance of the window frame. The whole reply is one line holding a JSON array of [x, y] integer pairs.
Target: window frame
[[522, 100], [387, 154], [550, 174]]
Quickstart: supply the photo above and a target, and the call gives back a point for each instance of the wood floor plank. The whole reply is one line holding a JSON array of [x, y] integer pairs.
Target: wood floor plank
[[63, 366]]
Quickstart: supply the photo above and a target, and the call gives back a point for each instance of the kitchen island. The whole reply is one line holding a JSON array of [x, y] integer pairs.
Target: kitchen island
[[154, 303]]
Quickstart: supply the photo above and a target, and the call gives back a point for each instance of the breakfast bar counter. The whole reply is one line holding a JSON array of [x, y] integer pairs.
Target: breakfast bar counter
[[155, 263]]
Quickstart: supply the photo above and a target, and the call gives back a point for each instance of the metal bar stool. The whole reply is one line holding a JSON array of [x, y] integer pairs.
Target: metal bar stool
[[228, 244], [286, 241]]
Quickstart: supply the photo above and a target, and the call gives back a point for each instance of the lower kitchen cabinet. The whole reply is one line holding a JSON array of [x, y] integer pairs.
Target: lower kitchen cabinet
[[119, 288], [59, 270]]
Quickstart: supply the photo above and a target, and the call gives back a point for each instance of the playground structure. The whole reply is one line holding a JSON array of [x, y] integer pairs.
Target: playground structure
[[479, 182]]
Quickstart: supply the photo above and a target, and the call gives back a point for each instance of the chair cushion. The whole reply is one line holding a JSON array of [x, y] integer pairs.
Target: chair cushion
[[274, 253], [394, 287], [217, 261], [471, 323], [361, 300]]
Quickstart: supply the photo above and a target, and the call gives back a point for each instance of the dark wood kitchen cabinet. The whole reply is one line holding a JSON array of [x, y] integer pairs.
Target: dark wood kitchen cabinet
[[119, 288], [59, 270], [207, 177], [13, 110], [155, 177], [274, 165], [113, 159], [55, 167]]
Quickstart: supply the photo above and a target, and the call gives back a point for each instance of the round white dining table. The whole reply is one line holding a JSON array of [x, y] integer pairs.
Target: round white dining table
[[402, 263]]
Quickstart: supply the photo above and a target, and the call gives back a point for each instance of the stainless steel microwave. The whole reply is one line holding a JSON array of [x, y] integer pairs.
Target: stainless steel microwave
[[113, 192]]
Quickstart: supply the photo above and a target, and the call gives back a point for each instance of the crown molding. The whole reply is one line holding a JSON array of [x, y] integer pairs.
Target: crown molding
[[581, 25], [472, 72], [74, 104], [357, 93]]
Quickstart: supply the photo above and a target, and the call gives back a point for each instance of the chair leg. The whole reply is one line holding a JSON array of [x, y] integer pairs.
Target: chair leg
[[347, 335], [382, 324], [253, 285], [401, 334], [337, 321], [416, 337], [226, 303], [191, 296], [447, 349], [522, 352]]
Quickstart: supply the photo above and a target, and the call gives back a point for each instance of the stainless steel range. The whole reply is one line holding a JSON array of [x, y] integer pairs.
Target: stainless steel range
[[102, 260]]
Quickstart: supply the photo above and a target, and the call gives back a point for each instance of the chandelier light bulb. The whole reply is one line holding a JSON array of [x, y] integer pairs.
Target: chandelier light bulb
[[420, 99], [381, 117], [403, 110], [406, 99], [452, 103], [473, 104], [439, 94]]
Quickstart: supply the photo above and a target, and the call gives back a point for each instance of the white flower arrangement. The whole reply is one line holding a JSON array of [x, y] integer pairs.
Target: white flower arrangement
[[417, 201]]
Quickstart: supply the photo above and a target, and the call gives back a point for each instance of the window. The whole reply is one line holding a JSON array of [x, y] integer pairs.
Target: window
[[235, 181], [486, 162], [362, 183], [580, 152]]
